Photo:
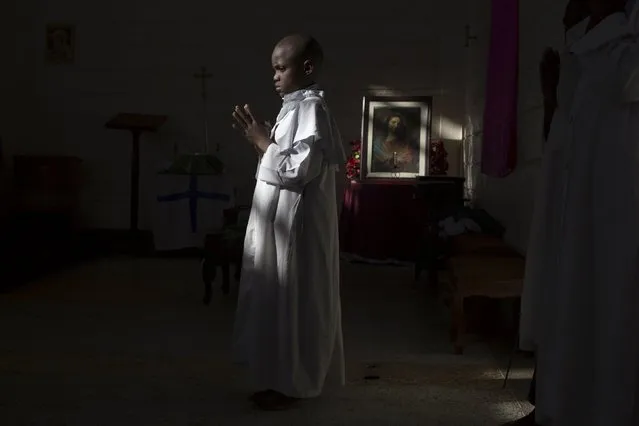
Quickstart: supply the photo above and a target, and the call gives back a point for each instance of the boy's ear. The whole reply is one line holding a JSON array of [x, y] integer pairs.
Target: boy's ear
[[308, 67]]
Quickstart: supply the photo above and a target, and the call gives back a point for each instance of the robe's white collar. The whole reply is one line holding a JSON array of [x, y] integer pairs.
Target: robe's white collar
[[291, 100], [301, 94], [611, 28]]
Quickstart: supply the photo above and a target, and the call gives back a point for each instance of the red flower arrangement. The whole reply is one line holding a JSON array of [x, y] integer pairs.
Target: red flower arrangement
[[438, 159], [353, 163]]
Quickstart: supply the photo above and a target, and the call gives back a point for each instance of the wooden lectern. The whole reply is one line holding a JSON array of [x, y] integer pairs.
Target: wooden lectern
[[136, 124]]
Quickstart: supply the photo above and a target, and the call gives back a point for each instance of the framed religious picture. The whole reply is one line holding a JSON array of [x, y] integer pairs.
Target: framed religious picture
[[60, 44], [395, 136]]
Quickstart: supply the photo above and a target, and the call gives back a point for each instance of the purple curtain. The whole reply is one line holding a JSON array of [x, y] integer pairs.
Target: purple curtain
[[499, 146]]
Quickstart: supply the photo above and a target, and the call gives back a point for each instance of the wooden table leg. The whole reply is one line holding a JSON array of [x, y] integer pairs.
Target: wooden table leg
[[135, 182], [458, 326], [208, 276], [433, 279]]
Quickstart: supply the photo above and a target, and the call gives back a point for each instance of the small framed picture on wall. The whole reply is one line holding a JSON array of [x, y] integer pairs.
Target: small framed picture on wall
[[395, 136], [60, 44]]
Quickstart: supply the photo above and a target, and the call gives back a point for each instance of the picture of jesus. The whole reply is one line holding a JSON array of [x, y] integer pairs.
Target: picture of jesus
[[395, 136], [395, 149]]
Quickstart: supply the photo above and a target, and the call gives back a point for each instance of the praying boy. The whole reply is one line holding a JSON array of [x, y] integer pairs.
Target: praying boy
[[288, 324]]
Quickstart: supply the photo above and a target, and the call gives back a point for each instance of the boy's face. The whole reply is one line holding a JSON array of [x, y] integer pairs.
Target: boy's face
[[290, 73]]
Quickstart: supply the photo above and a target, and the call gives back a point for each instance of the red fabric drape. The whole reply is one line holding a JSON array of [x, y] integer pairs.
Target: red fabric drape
[[499, 144]]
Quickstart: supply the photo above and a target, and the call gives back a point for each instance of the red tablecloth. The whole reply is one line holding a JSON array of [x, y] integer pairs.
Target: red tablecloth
[[378, 220]]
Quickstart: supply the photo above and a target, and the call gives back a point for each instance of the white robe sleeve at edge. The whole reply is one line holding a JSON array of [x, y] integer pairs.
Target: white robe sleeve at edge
[[302, 162], [627, 58], [617, 165]]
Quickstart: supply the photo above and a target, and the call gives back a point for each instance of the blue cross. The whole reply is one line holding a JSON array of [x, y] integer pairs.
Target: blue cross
[[193, 194]]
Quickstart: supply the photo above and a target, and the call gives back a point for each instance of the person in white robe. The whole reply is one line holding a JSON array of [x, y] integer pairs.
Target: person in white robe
[[543, 236], [586, 329], [288, 322], [540, 258]]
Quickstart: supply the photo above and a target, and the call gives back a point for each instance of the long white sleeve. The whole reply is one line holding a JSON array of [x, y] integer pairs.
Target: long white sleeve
[[627, 57], [296, 157]]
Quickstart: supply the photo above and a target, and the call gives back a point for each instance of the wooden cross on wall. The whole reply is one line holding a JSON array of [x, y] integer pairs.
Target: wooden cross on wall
[[204, 75]]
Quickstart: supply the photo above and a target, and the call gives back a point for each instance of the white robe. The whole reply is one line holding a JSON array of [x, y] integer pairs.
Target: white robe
[[541, 255], [588, 329], [288, 323]]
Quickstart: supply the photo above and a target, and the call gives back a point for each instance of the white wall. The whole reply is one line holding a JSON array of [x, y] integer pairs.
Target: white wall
[[140, 55], [478, 17], [510, 199]]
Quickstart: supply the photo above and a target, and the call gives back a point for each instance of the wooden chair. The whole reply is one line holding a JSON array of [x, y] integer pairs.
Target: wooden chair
[[486, 267], [223, 249]]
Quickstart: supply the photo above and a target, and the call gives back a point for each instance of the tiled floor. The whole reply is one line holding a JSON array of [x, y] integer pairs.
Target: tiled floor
[[126, 341]]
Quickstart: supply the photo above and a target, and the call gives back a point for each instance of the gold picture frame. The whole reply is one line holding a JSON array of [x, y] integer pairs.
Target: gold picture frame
[[407, 153]]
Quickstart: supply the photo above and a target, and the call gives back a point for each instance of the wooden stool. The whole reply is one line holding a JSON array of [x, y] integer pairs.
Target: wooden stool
[[222, 250], [218, 252], [495, 277]]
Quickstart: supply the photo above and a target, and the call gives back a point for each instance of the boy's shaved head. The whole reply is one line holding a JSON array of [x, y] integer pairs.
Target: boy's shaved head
[[296, 60], [302, 48]]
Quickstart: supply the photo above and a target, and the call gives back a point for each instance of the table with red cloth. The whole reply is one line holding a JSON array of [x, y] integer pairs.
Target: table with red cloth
[[378, 220]]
